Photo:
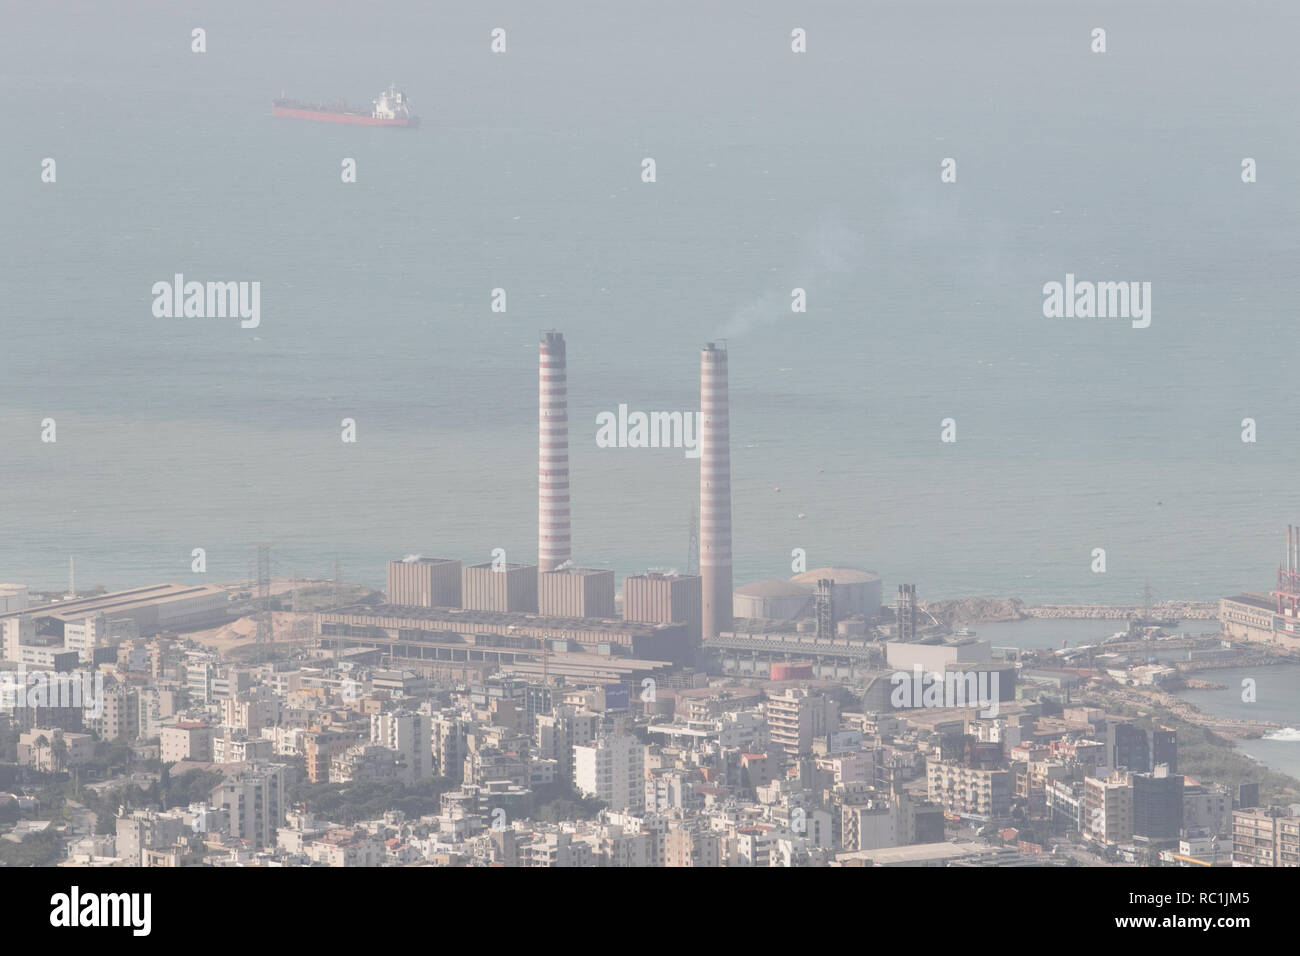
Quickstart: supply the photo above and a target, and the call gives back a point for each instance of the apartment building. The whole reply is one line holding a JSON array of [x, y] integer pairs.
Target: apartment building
[[410, 736], [562, 730], [1265, 837], [187, 740], [970, 791], [797, 716], [253, 799], [612, 770], [1108, 808]]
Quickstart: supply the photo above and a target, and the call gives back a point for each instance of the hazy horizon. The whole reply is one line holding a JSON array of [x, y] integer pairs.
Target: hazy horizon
[[774, 172]]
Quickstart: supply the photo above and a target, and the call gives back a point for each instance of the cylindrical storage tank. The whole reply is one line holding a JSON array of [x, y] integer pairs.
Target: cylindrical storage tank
[[856, 592], [775, 600]]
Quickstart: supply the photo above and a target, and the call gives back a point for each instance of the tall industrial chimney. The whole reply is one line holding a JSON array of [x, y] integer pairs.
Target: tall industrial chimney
[[552, 453], [715, 492]]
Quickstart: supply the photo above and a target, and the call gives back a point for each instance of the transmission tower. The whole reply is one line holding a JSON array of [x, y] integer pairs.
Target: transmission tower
[[824, 601], [906, 612]]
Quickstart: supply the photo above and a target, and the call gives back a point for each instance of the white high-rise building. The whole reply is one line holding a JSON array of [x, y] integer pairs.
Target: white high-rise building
[[612, 770], [411, 736], [107, 715], [15, 632], [97, 630], [563, 729]]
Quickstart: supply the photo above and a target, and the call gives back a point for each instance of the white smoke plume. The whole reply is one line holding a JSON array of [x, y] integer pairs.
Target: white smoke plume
[[832, 248]]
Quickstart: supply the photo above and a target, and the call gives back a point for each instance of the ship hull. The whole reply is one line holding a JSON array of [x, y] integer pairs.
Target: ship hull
[[351, 119]]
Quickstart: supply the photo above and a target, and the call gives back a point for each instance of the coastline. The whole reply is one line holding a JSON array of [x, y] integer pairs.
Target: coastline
[[1210, 742], [1204, 750], [998, 610]]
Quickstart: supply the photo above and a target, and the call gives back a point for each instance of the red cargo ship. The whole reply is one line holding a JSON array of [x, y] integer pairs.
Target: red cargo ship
[[391, 108]]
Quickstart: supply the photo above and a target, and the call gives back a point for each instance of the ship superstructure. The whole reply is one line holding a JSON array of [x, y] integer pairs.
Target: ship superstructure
[[390, 108]]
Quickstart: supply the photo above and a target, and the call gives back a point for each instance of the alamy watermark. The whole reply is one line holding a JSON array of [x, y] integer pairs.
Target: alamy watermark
[[76, 909], [949, 689], [1100, 300], [40, 688], [649, 430], [208, 300]]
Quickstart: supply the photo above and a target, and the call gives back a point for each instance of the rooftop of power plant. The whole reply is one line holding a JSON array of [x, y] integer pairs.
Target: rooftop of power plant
[[582, 572], [766, 626], [452, 616], [1262, 601]]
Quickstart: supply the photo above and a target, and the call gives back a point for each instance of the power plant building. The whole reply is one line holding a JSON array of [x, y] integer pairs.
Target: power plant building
[[472, 634], [663, 599], [1254, 617], [504, 587], [936, 657], [424, 582], [576, 592]]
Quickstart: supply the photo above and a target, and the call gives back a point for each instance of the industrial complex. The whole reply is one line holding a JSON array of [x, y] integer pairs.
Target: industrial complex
[[471, 619], [1269, 618], [789, 721]]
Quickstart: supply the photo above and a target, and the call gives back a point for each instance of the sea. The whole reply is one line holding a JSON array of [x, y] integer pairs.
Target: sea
[[1275, 700], [774, 171], [1275, 686]]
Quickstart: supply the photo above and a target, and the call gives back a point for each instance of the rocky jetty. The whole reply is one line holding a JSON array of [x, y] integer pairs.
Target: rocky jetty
[[958, 611], [977, 610]]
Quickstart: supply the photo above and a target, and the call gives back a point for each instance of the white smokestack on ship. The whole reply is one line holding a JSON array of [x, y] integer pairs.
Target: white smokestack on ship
[[715, 492], [552, 453]]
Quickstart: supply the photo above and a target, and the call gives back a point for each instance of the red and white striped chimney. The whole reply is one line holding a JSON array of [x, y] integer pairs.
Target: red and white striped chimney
[[552, 453], [715, 492]]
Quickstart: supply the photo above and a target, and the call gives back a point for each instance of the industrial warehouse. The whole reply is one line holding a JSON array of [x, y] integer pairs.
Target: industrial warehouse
[[1269, 618]]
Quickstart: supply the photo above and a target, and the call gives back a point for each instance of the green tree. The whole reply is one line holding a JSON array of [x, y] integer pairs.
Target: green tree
[[36, 849], [60, 752]]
